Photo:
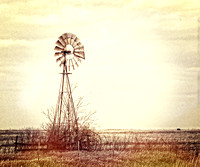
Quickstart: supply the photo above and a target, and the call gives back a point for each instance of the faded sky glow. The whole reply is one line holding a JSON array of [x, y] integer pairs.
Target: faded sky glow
[[141, 67]]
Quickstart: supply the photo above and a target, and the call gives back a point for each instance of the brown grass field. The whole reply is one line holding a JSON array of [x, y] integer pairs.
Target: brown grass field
[[145, 149], [146, 158]]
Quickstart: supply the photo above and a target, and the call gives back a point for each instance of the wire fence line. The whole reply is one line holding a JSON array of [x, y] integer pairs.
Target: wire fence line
[[13, 141]]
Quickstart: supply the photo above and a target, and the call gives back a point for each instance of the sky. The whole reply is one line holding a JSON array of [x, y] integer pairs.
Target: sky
[[142, 66]]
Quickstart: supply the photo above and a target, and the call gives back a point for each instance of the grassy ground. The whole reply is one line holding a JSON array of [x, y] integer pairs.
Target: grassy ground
[[101, 158]]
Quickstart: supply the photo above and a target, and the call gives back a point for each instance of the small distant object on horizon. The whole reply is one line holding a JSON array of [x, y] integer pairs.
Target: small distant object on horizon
[[178, 129]]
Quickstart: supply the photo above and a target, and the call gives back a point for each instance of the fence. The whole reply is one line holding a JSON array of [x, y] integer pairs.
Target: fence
[[22, 140], [181, 140], [28, 140]]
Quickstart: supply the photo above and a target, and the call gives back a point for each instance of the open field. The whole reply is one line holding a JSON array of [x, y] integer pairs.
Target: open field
[[117, 148], [145, 158]]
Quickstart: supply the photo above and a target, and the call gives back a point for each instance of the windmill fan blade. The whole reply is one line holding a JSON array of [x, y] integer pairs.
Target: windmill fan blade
[[78, 59], [83, 55], [59, 44], [72, 64], [69, 40], [66, 41], [60, 64], [57, 53], [62, 41], [78, 45], [74, 44], [64, 35], [72, 41], [73, 36], [58, 59], [80, 55], [57, 48], [76, 39], [79, 48], [76, 55], [78, 51], [69, 35], [75, 62]]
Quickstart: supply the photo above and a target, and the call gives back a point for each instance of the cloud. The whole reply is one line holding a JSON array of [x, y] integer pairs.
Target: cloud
[[4, 43]]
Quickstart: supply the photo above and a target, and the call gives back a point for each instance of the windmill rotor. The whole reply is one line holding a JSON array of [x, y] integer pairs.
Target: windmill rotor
[[69, 50]]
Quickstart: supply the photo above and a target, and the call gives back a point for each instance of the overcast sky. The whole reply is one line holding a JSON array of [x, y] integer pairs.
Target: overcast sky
[[141, 67]]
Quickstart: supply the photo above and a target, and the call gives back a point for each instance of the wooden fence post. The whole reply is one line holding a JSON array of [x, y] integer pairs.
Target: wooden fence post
[[16, 144]]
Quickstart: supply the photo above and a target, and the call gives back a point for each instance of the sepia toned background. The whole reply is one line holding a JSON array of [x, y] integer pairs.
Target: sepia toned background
[[142, 66]]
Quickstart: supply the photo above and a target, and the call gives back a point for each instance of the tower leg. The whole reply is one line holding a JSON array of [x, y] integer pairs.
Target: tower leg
[[64, 132]]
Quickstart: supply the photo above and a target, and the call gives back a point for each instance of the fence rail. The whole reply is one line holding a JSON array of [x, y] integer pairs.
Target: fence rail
[[29, 140]]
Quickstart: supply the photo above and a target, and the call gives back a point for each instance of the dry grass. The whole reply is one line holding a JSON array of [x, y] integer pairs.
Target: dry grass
[[119, 151], [100, 158]]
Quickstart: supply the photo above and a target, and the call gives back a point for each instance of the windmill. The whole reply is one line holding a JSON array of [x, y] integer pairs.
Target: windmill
[[69, 53]]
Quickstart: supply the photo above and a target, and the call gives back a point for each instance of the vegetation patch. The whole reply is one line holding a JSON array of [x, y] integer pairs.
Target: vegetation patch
[[102, 158]]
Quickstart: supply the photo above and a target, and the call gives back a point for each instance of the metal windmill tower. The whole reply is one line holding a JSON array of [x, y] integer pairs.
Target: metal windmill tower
[[69, 52]]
